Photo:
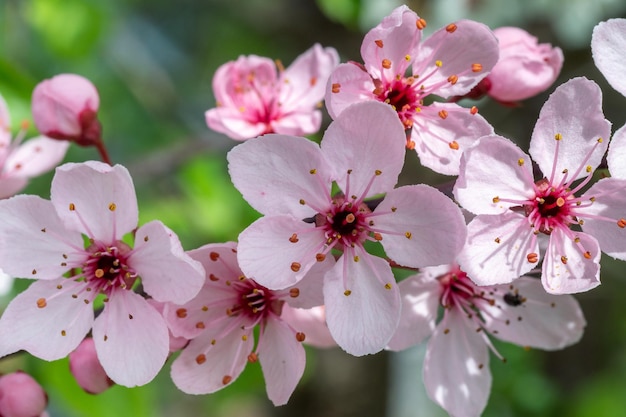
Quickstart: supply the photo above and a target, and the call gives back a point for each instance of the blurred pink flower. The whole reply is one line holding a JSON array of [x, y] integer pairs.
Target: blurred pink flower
[[514, 211], [252, 99], [290, 180], [21, 396], [221, 320], [525, 67], [456, 366], [21, 161], [73, 245], [65, 107], [449, 63], [86, 368]]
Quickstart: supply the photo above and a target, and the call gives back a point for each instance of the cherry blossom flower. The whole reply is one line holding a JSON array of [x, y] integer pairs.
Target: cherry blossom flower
[[252, 99], [72, 244], [515, 212], [221, 321], [21, 161], [456, 365], [607, 46], [289, 180], [449, 63], [525, 67]]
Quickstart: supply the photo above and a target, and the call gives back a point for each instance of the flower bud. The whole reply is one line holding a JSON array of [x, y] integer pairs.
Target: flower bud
[[87, 370], [525, 67], [65, 107], [21, 396]]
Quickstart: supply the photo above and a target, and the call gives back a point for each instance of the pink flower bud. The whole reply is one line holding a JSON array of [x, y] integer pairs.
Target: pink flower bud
[[525, 67], [65, 107], [87, 370], [21, 396]]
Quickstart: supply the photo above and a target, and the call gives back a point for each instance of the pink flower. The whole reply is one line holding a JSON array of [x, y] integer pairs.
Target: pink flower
[[252, 99], [456, 366], [289, 180], [21, 396], [515, 211], [21, 161], [221, 321], [65, 107], [73, 244], [608, 43], [87, 370], [525, 68], [449, 63]]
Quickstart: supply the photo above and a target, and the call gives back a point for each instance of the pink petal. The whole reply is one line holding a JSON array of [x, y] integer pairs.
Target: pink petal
[[267, 255], [365, 138], [310, 287], [35, 242], [36, 156], [494, 167], [131, 339], [497, 248], [566, 269], [232, 123], [525, 68], [434, 237], [439, 142], [471, 43], [203, 365], [303, 83], [298, 123], [282, 360], [542, 320], [364, 321], [617, 154], [167, 272], [311, 322], [608, 204], [456, 366], [608, 43], [49, 332], [11, 186], [231, 82], [395, 37], [275, 172], [95, 199], [349, 83], [579, 145], [420, 306]]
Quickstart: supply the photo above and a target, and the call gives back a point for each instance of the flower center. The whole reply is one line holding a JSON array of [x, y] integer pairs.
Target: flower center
[[401, 95], [107, 266], [256, 301], [345, 223], [551, 207]]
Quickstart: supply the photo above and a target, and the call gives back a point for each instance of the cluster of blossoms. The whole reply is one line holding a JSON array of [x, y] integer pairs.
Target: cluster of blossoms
[[500, 257]]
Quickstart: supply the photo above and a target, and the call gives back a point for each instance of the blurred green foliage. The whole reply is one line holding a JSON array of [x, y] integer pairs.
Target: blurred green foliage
[[153, 62]]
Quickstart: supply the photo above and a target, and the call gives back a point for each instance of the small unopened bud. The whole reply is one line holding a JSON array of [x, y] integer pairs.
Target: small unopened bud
[[21, 396], [65, 107], [87, 370]]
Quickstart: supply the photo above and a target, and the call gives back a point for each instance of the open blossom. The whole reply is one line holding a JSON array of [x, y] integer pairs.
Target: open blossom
[[66, 107], [456, 365], [525, 67], [289, 180], [221, 320], [608, 43], [73, 245], [515, 211], [253, 99], [403, 72], [21, 161]]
